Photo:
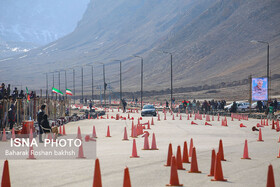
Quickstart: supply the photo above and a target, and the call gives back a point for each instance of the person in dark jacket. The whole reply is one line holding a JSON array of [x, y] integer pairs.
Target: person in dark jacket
[[9, 90], [11, 116], [15, 93], [45, 124], [233, 108], [39, 119]]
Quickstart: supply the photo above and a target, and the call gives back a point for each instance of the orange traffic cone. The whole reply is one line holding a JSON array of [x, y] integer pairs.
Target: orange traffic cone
[[245, 153], [132, 129], [279, 139], [154, 145], [193, 123], [125, 134], [191, 148], [149, 127], [60, 131], [180, 117], [108, 132], [179, 159], [5, 182], [221, 150], [218, 172], [93, 132], [174, 180], [185, 158], [4, 138], [206, 123], [79, 136], [63, 130], [31, 153], [134, 150], [173, 117], [97, 182], [241, 125], [146, 143], [270, 177], [260, 135], [81, 152], [158, 117], [135, 131], [169, 155], [13, 134], [188, 117], [126, 178], [212, 169], [194, 167], [218, 117], [164, 116], [152, 123]]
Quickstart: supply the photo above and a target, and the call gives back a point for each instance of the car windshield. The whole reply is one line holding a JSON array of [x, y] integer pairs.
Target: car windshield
[[148, 107]]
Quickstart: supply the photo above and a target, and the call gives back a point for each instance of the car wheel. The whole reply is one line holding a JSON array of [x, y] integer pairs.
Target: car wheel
[[155, 114]]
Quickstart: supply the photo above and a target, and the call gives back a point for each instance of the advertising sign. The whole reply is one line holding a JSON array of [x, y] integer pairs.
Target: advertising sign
[[259, 89]]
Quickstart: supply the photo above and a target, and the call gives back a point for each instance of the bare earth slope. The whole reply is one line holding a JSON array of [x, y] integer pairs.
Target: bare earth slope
[[210, 41]]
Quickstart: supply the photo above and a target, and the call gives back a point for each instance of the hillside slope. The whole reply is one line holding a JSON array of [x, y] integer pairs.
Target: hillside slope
[[210, 42]]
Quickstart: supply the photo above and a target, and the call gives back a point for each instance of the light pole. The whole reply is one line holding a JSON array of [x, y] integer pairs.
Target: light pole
[[58, 83], [141, 79], [267, 66], [53, 83], [120, 79], [73, 84], [82, 72], [91, 82], [171, 77], [47, 84], [65, 82]]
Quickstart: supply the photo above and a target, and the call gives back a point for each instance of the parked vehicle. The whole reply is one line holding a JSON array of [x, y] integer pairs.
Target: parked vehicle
[[148, 110], [242, 107]]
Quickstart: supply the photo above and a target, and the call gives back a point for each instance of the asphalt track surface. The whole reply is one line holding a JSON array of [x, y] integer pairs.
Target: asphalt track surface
[[149, 170]]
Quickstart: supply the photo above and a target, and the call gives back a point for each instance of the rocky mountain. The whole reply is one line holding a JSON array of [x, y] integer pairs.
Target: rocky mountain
[[32, 23], [209, 40]]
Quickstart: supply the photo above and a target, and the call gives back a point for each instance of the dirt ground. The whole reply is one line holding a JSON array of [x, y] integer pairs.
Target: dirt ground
[[149, 170]]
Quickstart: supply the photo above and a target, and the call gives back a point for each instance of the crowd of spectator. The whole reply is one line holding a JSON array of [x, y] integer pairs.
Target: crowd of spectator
[[205, 106]]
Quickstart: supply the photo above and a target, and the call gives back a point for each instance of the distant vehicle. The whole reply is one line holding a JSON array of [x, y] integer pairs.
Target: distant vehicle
[[254, 105], [148, 110], [242, 107]]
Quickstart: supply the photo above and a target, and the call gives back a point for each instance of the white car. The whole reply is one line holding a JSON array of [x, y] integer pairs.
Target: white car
[[243, 106]]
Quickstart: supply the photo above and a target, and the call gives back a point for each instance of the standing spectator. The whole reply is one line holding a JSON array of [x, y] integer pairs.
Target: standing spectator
[[198, 105], [275, 103], [39, 119], [194, 105], [11, 116], [166, 104], [15, 93], [270, 111], [9, 90], [233, 108], [21, 94], [260, 106], [124, 105]]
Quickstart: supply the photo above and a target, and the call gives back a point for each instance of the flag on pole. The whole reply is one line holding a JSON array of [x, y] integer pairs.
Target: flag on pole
[[57, 91], [69, 92], [27, 95]]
